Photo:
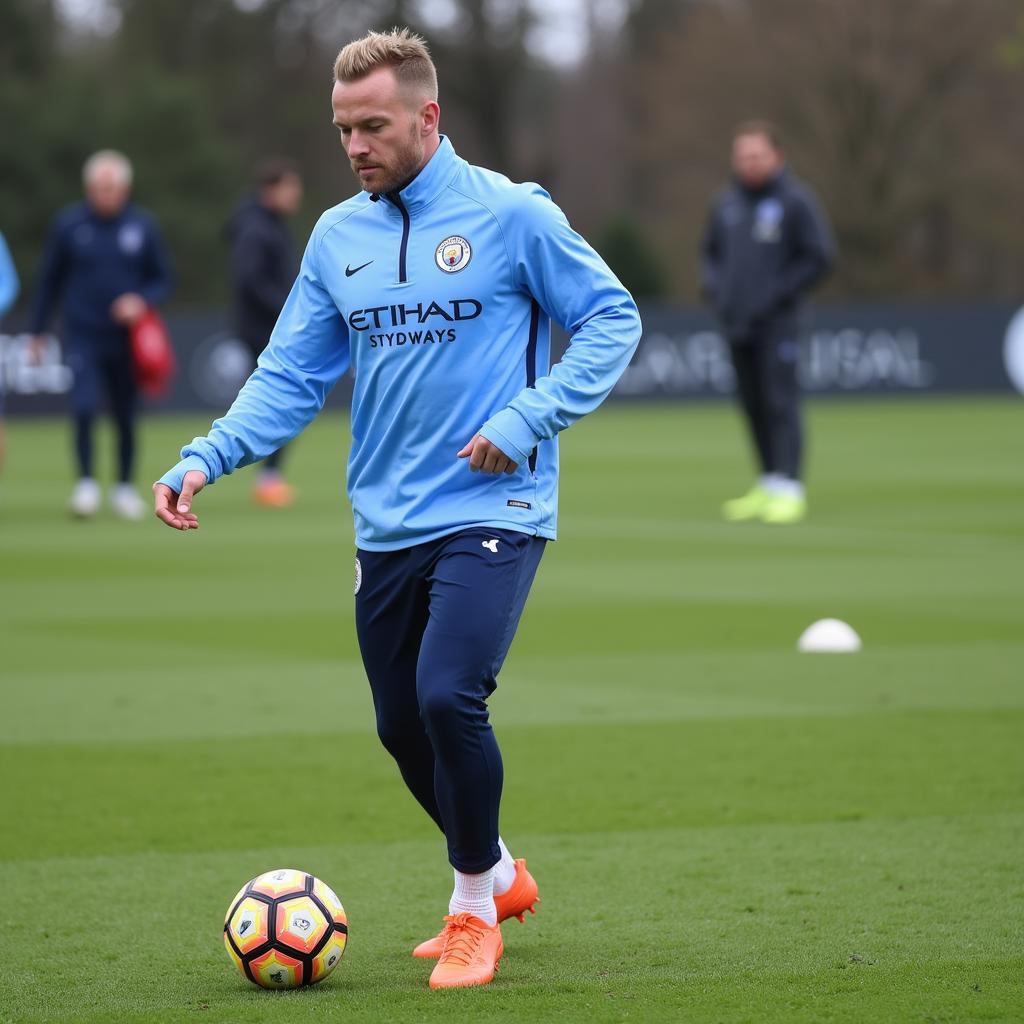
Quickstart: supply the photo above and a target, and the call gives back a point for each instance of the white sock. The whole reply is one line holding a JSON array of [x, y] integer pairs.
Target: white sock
[[504, 870], [474, 894], [771, 482], [789, 488]]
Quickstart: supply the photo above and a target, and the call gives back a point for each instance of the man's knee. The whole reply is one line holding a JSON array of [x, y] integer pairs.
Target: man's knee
[[782, 407], [85, 400], [438, 707], [123, 408], [446, 710], [399, 732], [782, 391]]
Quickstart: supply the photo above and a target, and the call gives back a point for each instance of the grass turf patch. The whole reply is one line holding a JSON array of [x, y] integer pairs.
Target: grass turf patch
[[723, 830]]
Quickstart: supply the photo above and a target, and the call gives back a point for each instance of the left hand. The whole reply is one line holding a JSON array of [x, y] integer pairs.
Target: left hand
[[127, 308], [485, 457]]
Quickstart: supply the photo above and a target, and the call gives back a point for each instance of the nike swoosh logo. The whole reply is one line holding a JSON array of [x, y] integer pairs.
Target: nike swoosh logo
[[349, 271]]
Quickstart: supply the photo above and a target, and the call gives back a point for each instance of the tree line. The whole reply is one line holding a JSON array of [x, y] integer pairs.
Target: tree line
[[905, 117]]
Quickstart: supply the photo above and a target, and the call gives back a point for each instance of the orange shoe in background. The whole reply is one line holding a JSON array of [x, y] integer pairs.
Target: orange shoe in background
[[520, 898], [472, 950], [273, 493]]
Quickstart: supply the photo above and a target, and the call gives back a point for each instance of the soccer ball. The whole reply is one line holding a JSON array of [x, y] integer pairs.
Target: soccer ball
[[285, 929]]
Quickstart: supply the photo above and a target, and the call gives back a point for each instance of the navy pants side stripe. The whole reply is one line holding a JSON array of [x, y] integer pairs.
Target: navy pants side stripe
[[435, 623]]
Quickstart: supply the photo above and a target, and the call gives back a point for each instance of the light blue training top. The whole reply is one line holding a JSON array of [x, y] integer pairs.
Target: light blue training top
[[440, 298], [8, 278]]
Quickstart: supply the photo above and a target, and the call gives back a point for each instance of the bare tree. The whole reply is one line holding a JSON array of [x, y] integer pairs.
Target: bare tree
[[899, 113]]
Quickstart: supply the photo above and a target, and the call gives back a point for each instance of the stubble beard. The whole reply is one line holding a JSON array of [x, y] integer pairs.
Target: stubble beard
[[406, 166]]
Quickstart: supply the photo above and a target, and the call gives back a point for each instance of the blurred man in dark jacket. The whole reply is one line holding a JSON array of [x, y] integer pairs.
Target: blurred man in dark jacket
[[263, 267], [105, 264], [767, 244]]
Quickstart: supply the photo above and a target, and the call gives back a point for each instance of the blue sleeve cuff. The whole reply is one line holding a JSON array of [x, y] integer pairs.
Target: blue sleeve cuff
[[512, 434], [173, 477]]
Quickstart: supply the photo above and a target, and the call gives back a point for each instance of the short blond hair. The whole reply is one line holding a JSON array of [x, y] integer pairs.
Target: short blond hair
[[401, 50]]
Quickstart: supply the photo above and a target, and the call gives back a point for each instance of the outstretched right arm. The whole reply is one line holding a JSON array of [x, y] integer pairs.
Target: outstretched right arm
[[308, 352]]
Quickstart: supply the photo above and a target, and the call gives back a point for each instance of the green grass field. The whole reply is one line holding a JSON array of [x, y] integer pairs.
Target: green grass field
[[723, 830]]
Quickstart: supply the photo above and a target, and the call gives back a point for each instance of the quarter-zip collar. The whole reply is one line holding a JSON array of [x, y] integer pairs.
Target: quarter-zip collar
[[437, 174]]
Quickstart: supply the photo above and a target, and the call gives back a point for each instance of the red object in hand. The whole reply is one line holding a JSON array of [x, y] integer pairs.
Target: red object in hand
[[152, 354]]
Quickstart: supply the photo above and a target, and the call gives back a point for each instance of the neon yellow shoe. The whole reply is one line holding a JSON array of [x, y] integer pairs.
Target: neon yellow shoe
[[748, 507], [783, 510]]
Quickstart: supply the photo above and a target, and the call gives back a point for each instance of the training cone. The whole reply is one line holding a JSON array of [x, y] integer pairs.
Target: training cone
[[829, 636]]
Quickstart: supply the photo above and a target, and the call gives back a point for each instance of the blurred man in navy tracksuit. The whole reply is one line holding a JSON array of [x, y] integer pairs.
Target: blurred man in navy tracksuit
[[263, 268], [767, 244], [105, 264]]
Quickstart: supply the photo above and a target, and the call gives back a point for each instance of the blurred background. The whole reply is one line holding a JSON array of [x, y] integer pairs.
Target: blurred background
[[729, 829], [905, 117]]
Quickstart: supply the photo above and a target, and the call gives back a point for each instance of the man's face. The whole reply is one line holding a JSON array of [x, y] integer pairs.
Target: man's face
[[286, 196], [755, 161], [384, 133], [106, 191]]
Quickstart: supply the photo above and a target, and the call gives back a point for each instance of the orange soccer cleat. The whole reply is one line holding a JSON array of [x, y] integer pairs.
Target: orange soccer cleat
[[273, 494], [472, 950], [520, 898]]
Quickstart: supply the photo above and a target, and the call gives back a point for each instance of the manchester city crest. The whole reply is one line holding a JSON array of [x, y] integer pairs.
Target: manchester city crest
[[768, 221], [453, 254], [130, 238]]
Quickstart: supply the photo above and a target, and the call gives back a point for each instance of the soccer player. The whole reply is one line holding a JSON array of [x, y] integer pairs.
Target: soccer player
[[767, 244], [106, 262], [437, 284], [263, 266]]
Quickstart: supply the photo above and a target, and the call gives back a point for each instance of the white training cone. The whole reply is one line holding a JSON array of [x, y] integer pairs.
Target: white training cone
[[829, 636]]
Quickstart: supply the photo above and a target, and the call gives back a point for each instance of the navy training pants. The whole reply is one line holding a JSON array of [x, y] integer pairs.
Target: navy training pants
[[435, 622], [767, 383], [98, 369]]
